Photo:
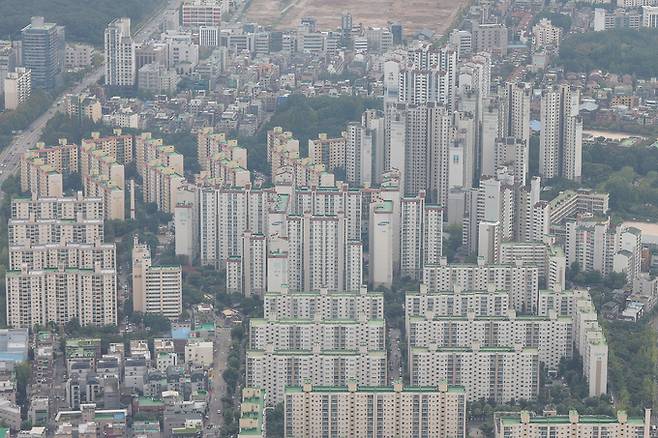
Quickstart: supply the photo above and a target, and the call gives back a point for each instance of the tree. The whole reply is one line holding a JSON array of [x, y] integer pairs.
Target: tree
[[23, 373], [274, 422]]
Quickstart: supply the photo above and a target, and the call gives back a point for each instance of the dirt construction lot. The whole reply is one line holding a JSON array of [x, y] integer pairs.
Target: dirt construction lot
[[436, 15]]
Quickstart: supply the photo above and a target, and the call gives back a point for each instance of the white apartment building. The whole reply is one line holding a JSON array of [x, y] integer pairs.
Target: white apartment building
[[650, 16], [457, 302], [63, 157], [95, 161], [595, 245], [421, 235], [417, 144], [550, 335], [588, 336], [56, 221], [545, 34], [359, 411], [329, 305], [569, 203], [498, 373], [524, 424], [40, 178], [330, 335], [155, 289], [490, 208], [364, 150], [118, 146], [328, 151], [17, 87], [37, 297], [274, 370], [520, 281], [592, 347], [549, 259], [560, 140], [120, 67], [380, 236]]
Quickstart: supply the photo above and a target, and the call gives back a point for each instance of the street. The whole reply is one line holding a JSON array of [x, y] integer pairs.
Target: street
[[218, 388], [395, 359]]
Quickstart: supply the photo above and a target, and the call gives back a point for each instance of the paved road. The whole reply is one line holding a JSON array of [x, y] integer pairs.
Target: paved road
[[218, 389], [10, 156], [395, 359]]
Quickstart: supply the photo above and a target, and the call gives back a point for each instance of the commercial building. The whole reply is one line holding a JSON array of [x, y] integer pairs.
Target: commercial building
[[43, 48], [156, 289], [196, 13], [361, 411]]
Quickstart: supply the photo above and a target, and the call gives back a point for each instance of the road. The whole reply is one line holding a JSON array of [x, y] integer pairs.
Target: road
[[395, 359], [218, 388], [10, 156]]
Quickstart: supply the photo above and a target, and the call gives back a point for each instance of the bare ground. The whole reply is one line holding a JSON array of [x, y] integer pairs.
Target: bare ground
[[436, 15]]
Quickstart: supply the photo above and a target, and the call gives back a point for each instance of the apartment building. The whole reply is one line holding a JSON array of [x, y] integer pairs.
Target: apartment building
[[526, 424], [304, 334], [274, 370], [596, 245], [40, 178], [120, 66], [498, 373], [328, 305], [63, 157], [457, 302], [361, 411], [118, 146], [550, 335], [520, 281], [549, 259], [59, 266], [17, 87], [155, 289], [329, 152]]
